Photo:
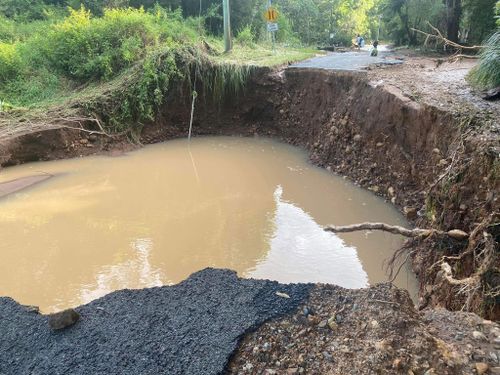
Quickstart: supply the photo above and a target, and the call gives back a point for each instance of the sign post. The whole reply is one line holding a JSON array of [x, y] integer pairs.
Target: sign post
[[271, 15], [227, 26]]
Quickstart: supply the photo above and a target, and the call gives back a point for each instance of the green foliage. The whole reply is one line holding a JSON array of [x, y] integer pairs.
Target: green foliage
[[487, 73], [246, 37], [9, 61], [139, 92], [497, 13], [85, 48], [479, 20], [402, 15]]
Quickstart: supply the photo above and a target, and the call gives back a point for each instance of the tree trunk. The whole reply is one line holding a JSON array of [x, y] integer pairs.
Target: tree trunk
[[454, 12]]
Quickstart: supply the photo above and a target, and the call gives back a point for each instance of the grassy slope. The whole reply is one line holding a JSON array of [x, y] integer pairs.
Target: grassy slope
[[118, 67]]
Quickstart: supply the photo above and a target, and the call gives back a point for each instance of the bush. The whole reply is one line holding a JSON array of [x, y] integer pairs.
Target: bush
[[487, 73], [85, 48], [246, 37], [9, 61]]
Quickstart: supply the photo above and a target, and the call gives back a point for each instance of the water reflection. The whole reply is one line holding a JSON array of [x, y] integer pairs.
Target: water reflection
[[304, 252], [130, 274]]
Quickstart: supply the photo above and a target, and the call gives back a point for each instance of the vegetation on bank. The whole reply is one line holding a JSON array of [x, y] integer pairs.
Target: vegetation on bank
[[121, 66], [119, 60], [487, 73]]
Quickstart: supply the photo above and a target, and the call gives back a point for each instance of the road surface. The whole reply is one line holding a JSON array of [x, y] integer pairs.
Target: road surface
[[350, 61], [189, 328]]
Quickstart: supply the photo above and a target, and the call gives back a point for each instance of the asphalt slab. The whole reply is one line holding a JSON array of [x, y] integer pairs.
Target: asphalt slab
[[189, 328]]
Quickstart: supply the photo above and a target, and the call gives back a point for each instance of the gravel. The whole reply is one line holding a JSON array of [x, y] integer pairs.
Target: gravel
[[189, 328]]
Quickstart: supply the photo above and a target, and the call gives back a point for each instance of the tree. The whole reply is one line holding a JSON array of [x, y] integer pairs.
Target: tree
[[453, 14]]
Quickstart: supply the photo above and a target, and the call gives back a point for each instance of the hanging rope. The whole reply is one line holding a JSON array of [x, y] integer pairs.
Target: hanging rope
[[195, 93]]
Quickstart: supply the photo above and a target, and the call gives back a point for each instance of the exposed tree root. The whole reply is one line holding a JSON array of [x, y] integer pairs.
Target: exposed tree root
[[395, 229]]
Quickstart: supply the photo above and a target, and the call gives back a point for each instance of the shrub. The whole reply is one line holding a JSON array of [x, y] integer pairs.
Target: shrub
[[85, 48], [486, 74], [245, 36], [9, 61]]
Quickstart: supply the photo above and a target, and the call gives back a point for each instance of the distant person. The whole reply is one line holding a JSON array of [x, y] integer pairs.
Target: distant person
[[361, 42], [374, 50], [358, 41]]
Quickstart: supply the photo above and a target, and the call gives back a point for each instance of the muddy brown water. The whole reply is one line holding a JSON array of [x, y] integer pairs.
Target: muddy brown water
[[154, 216]]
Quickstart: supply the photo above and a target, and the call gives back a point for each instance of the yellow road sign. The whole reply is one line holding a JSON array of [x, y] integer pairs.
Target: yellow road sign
[[271, 14]]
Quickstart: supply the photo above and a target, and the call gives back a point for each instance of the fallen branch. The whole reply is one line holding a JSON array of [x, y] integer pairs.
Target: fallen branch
[[439, 36], [396, 229]]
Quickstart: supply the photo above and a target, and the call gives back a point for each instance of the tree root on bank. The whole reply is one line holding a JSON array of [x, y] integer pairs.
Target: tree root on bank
[[480, 246], [11, 127], [456, 234]]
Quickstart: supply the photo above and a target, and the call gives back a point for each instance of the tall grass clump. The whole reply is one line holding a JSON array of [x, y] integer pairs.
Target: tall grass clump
[[487, 73]]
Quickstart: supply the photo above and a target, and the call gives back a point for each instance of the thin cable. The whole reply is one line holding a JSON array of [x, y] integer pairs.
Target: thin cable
[[195, 94]]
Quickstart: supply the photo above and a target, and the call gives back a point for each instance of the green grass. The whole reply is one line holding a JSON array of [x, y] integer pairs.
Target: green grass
[[261, 54], [120, 67]]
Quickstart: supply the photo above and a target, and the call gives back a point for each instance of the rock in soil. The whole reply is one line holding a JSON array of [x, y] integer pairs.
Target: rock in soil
[[63, 319]]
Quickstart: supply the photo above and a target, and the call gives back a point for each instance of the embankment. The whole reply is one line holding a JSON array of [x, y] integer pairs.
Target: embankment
[[438, 167]]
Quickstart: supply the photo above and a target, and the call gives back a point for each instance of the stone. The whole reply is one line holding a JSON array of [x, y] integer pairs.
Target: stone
[[323, 323], [436, 151], [410, 212], [381, 346], [458, 234], [357, 138], [327, 356], [494, 357], [292, 370], [63, 319], [374, 324], [374, 188], [32, 309], [481, 368], [269, 371], [332, 323], [479, 336], [397, 364], [247, 367], [379, 144], [391, 191]]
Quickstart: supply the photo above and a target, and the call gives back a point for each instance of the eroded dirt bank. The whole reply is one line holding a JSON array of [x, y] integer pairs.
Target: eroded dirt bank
[[438, 165]]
